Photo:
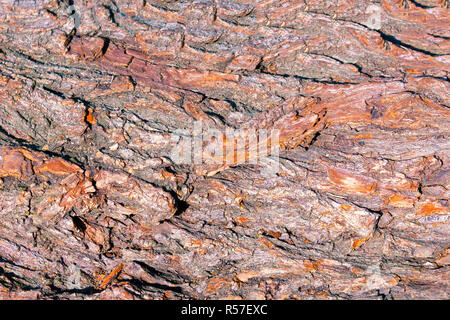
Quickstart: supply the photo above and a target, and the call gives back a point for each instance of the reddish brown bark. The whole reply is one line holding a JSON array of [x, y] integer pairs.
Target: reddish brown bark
[[92, 206]]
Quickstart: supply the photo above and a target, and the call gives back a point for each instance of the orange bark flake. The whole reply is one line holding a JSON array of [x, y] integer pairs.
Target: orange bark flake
[[90, 117], [413, 71], [305, 240], [241, 220], [196, 243], [265, 242], [14, 164], [58, 166], [108, 279], [214, 284], [362, 136], [86, 48], [311, 265], [444, 259], [400, 201], [273, 234], [358, 242], [95, 234], [430, 208]]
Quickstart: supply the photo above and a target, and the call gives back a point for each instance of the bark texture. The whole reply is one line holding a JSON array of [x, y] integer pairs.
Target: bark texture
[[92, 206]]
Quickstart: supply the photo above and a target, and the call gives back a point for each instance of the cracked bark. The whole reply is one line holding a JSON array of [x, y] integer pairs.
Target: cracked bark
[[93, 207]]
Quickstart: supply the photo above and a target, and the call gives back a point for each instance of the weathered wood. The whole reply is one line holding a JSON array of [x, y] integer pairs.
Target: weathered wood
[[94, 206]]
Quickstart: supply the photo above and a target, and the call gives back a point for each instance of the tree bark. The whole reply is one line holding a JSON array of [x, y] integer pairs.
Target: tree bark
[[93, 204]]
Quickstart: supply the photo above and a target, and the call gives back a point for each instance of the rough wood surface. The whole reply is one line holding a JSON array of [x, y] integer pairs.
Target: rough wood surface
[[92, 206]]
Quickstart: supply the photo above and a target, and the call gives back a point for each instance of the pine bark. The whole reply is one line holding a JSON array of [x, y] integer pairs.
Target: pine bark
[[93, 205]]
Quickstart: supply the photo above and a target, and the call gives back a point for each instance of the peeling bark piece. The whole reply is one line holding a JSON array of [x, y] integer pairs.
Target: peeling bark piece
[[110, 277], [244, 62], [88, 48], [13, 163], [152, 204], [349, 182], [293, 121]]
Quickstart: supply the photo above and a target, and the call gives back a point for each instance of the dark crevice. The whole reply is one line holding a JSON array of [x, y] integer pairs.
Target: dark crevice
[[180, 204], [79, 224], [18, 142], [54, 92], [301, 78], [439, 36], [172, 278], [313, 140], [106, 42], [146, 286], [15, 140], [399, 43], [86, 291], [111, 15], [420, 5]]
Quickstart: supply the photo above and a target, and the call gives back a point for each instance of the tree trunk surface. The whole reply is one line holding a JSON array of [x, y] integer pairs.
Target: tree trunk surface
[[96, 95]]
